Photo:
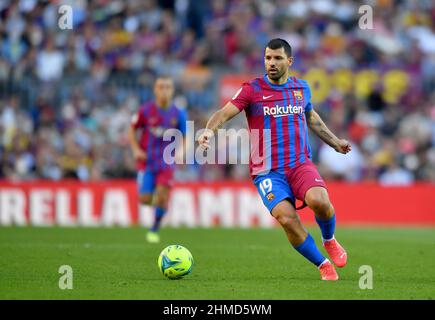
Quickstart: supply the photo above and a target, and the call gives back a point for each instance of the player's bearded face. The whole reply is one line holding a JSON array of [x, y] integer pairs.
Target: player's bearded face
[[276, 63]]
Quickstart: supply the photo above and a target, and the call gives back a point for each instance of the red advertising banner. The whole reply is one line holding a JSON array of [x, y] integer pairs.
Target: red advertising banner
[[201, 204]]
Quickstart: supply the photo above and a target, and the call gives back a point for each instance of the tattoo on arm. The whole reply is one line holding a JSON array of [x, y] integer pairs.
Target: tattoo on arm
[[318, 126], [327, 137]]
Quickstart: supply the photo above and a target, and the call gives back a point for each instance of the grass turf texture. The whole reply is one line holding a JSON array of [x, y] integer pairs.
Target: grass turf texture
[[116, 263]]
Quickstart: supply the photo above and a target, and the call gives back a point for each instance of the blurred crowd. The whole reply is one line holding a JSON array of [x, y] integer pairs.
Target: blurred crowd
[[67, 96]]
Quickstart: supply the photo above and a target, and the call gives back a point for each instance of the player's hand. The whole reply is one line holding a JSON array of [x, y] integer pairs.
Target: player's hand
[[204, 139], [139, 154], [343, 146]]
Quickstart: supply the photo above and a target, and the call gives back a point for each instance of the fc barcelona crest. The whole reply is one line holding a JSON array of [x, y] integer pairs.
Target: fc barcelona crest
[[297, 94], [173, 122]]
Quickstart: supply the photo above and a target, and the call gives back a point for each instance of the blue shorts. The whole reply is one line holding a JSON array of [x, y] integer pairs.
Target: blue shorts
[[273, 188], [147, 180]]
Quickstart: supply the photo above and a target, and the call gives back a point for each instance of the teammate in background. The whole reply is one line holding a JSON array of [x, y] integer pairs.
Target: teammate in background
[[279, 106], [155, 176]]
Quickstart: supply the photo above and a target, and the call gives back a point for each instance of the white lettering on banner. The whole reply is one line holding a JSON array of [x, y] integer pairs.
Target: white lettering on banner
[[85, 207], [249, 207], [216, 204], [181, 209], [146, 215], [63, 208], [40, 208], [115, 210], [225, 205], [12, 207]]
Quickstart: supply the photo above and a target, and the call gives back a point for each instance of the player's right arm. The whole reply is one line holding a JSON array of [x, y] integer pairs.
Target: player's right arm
[[138, 153], [216, 121], [238, 103]]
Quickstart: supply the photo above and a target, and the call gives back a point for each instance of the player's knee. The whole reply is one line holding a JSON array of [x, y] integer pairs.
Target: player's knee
[[287, 220], [161, 204], [161, 201], [161, 198], [145, 199], [319, 203]]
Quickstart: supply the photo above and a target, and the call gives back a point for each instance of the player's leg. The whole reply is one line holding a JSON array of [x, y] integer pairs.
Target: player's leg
[[278, 199], [146, 199], [163, 181], [146, 182], [285, 213], [309, 187], [145, 185], [318, 200], [160, 202]]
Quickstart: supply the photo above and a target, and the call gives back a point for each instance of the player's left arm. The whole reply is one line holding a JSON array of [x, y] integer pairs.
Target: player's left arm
[[316, 124]]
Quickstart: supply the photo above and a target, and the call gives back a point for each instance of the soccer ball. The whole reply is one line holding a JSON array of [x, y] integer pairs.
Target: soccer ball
[[175, 261]]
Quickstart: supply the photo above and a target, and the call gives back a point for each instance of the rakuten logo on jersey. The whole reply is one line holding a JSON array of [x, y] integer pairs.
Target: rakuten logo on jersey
[[280, 111]]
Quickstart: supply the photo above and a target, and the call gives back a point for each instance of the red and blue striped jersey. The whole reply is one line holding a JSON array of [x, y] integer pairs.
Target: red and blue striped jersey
[[153, 122], [277, 122]]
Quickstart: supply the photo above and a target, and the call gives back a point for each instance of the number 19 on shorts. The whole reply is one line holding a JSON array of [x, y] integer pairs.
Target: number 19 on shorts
[[266, 186]]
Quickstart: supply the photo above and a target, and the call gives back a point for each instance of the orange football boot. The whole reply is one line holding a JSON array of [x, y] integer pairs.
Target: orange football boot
[[327, 271], [336, 252]]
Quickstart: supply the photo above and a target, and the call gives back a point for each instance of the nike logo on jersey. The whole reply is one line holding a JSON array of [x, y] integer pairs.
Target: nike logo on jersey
[[267, 97], [318, 180]]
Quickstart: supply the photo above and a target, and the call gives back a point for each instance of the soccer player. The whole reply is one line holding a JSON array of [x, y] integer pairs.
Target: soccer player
[[155, 175], [278, 106]]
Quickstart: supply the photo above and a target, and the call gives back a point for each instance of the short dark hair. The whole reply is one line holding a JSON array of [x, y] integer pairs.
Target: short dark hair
[[280, 43]]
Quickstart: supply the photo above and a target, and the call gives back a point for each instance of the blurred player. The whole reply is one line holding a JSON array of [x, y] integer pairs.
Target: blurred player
[[155, 175], [279, 106]]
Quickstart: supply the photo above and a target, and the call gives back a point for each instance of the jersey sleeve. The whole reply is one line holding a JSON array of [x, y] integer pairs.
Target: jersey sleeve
[[243, 97], [138, 119], [182, 119], [308, 105]]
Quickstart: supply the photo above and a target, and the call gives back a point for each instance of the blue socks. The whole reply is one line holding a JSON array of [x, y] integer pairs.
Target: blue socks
[[327, 227], [158, 215], [309, 250]]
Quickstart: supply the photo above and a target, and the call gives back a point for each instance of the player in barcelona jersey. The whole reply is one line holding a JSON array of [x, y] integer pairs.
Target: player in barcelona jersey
[[155, 175], [279, 106]]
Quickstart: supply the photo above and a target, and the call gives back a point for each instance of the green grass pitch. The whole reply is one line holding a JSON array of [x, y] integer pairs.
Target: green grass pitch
[[117, 263]]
